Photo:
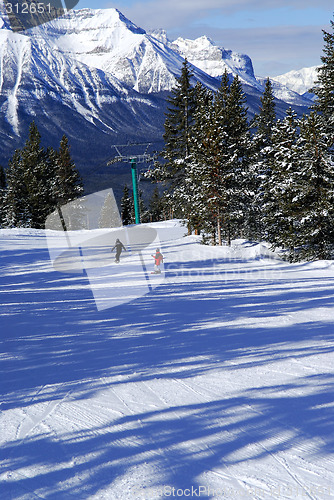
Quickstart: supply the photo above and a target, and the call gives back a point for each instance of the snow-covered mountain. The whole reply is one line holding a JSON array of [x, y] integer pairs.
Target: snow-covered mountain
[[102, 80], [214, 60], [106, 40], [300, 81]]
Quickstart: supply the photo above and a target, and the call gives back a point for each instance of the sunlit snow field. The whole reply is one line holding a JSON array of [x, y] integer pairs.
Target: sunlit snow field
[[216, 384]]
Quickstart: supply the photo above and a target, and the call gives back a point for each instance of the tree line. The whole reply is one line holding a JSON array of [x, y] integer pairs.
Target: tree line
[[262, 179]]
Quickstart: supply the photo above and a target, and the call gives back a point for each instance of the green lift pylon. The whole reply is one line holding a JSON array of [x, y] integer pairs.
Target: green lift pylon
[[134, 159], [135, 189]]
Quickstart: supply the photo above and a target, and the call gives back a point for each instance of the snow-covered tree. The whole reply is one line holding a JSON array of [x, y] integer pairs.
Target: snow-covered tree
[[16, 201], [324, 87], [3, 185], [178, 138], [29, 195], [262, 151], [281, 186], [179, 120], [314, 197]]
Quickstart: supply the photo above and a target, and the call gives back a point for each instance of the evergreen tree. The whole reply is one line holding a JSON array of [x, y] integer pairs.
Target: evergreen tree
[[16, 202], [227, 156], [109, 214], [190, 194], [3, 186], [324, 89], [126, 208], [315, 194], [178, 137], [38, 178], [266, 118], [281, 186], [238, 186], [67, 184], [144, 212], [260, 172], [29, 196], [155, 206], [179, 118]]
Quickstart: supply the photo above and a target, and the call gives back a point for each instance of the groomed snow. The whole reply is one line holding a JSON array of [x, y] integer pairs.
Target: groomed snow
[[217, 384]]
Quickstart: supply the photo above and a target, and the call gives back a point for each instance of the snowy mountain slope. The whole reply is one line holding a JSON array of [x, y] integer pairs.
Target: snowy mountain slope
[[214, 60], [30, 70], [220, 379], [285, 93], [300, 81], [92, 107], [106, 40]]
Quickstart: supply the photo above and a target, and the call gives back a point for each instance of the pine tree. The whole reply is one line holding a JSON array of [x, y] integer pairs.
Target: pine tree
[[315, 194], [266, 118], [109, 216], [190, 194], [3, 186], [228, 150], [178, 137], [179, 118], [324, 89], [264, 122], [144, 212], [67, 185], [239, 189], [16, 202], [29, 197], [37, 178], [281, 186], [126, 208], [155, 206]]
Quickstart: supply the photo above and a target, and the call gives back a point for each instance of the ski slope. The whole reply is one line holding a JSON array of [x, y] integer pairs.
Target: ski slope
[[216, 384]]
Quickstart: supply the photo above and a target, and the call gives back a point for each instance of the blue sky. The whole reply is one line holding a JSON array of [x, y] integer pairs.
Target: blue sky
[[279, 35]]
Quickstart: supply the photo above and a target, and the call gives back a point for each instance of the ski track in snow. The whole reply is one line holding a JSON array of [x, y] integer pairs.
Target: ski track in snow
[[220, 379]]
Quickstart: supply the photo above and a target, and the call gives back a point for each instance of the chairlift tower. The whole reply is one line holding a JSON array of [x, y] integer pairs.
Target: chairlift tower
[[134, 159]]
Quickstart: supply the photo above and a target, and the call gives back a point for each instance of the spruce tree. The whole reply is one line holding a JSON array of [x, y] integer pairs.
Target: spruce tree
[[281, 186], [324, 88], [178, 138], [155, 206], [191, 193], [314, 197], [265, 119], [262, 152], [38, 178], [2, 195], [239, 189], [179, 119], [29, 195], [67, 184], [126, 208], [16, 201]]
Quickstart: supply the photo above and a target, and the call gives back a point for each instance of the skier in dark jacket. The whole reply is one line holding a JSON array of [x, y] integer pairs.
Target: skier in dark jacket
[[118, 247], [158, 259]]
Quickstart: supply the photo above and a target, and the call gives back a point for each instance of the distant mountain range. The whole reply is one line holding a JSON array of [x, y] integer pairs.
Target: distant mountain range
[[101, 80]]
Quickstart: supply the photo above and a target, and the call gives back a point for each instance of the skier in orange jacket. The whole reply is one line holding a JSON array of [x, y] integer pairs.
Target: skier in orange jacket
[[158, 259]]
